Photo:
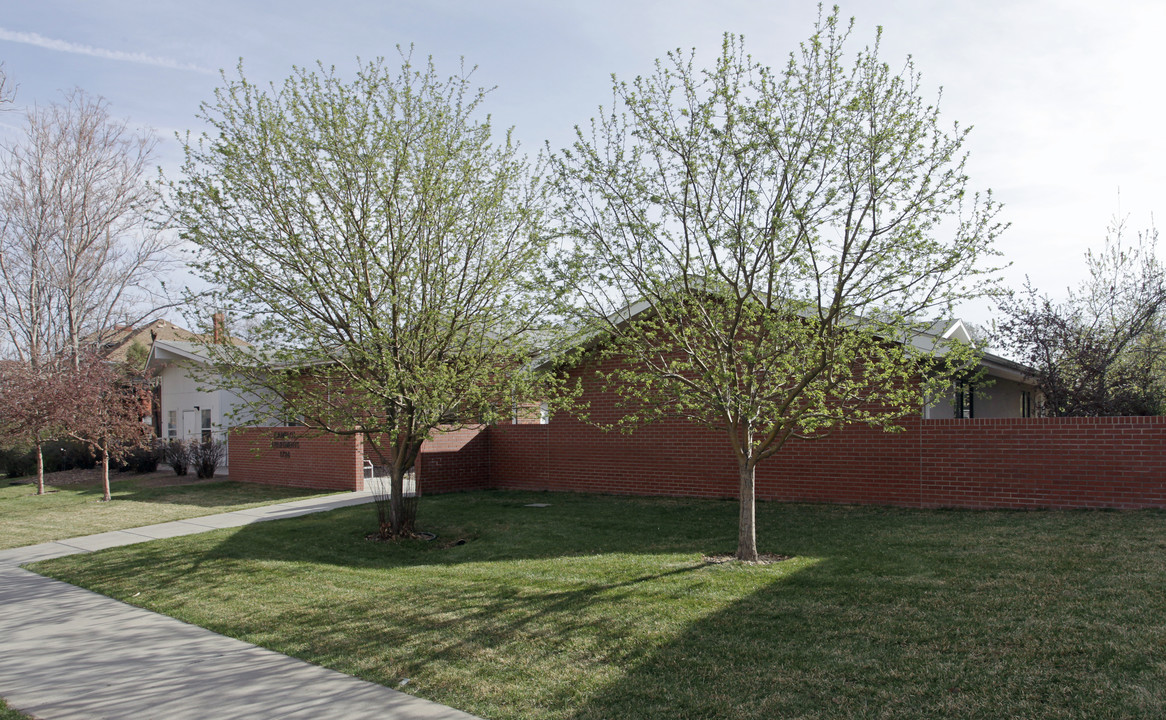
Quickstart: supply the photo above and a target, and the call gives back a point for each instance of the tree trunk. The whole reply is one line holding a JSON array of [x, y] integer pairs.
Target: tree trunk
[[396, 498], [105, 475], [747, 525], [40, 469]]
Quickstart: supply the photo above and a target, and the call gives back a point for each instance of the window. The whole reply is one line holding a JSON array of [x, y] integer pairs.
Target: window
[[172, 424], [965, 404], [544, 413], [1025, 404], [207, 435]]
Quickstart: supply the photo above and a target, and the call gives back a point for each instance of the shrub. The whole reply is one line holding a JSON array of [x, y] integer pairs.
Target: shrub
[[141, 459], [176, 454], [20, 460], [17, 461], [206, 457]]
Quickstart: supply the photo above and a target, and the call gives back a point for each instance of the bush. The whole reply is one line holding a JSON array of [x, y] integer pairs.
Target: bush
[[20, 460], [141, 459], [206, 457], [17, 461], [176, 454], [68, 455]]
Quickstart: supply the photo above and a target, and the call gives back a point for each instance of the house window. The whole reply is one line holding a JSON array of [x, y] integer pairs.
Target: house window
[[172, 424], [965, 404], [207, 436], [544, 413], [1025, 404]]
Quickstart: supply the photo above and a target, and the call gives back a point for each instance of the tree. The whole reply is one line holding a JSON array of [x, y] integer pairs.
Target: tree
[[760, 249], [77, 244], [7, 89], [1102, 350], [104, 409], [31, 402], [378, 244]]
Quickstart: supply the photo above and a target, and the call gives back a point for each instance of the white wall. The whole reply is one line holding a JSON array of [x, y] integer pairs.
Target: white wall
[[1000, 399], [181, 394]]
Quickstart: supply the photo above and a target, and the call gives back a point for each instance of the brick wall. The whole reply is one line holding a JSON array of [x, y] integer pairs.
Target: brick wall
[[451, 461], [295, 457], [1015, 463], [454, 461], [682, 459], [1047, 462]]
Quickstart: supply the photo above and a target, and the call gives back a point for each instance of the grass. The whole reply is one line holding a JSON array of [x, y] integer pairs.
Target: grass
[[7, 713], [601, 607], [74, 510]]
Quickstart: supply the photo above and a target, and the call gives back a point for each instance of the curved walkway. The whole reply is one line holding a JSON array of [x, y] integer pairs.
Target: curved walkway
[[66, 652]]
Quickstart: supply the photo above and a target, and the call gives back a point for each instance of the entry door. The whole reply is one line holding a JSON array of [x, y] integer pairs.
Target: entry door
[[191, 428]]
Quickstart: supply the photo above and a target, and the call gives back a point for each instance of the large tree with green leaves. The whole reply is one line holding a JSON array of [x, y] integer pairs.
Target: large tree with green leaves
[[378, 240], [762, 248]]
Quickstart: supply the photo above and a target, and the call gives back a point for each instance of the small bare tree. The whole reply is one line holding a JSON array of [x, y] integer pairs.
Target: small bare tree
[[7, 89], [78, 247]]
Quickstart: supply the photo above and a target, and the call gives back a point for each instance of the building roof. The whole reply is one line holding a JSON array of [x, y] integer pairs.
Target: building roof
[[925, 340], [163, 352], [115, 344]]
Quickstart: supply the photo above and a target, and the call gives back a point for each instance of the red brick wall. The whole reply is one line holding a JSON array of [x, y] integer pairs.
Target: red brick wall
[[1047, 462], [454, 461], [1056, 463], [1020, 463], [679, 458], [293, 456], [674, 457]]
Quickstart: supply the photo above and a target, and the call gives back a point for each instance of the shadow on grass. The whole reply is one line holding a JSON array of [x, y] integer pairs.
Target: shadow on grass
[[943, 614], [210, 493], [600, 607]]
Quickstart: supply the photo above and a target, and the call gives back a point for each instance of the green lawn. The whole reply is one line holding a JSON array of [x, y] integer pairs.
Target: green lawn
[[7, 713], [73, 510], [602, 607]]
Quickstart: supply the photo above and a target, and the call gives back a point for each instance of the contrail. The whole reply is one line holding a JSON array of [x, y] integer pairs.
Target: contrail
[[29, 38]]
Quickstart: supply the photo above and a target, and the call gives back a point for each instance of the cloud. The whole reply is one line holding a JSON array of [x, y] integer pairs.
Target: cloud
[[29, 38]]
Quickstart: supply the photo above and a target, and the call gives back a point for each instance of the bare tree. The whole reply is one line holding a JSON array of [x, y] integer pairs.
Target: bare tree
[[7, 89], [78, 246], [1102, 350]]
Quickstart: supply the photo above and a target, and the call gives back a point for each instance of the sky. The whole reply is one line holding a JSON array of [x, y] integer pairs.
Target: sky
[[1065, 98]]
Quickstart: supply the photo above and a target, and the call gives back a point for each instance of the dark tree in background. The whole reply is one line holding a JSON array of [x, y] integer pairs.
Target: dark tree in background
[[1102, 351]]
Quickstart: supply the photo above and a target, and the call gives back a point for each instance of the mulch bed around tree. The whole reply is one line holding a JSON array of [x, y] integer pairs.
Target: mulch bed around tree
[[762, 559]]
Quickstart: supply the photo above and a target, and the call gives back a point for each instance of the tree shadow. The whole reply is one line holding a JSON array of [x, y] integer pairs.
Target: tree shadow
[[207, 493], [882, 613]]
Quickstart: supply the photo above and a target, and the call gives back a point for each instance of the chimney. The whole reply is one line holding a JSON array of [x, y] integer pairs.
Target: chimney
[[220, 331]]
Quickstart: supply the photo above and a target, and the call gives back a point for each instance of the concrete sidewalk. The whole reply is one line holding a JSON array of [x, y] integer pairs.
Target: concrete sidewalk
[[70, 653]]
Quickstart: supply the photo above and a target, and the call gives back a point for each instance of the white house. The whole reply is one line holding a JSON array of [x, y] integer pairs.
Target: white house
[[1005, 389], [189, 409]]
